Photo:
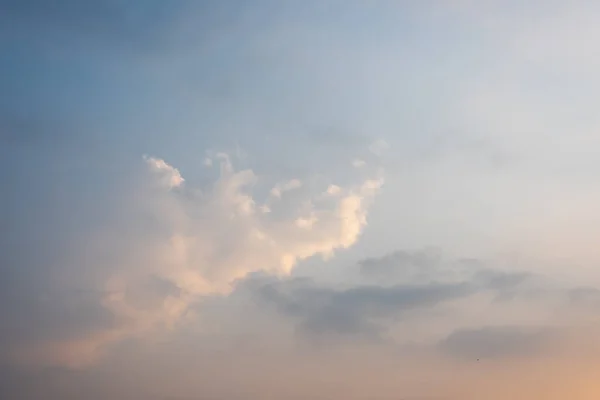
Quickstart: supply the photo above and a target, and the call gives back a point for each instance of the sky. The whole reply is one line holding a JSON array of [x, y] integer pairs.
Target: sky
[[333, 199]]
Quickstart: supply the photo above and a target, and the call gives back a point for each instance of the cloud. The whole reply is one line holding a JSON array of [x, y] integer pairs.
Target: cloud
[[168, 175], [280, 188], [202, 241], [379, 147], [585, 301], [501, 280], [429, 264], [497, 342], [143, 266], [400, 262], [333, 190], [358, 163], [404, 285], [241, 240], [365, 311]]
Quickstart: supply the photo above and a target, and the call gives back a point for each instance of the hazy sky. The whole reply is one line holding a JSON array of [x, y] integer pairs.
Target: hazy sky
[[253, 200]]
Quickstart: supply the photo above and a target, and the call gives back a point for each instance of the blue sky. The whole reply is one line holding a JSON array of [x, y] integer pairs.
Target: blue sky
[[281, 199]]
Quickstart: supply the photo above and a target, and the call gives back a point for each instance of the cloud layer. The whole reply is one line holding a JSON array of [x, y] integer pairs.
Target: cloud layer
[[193, 202]]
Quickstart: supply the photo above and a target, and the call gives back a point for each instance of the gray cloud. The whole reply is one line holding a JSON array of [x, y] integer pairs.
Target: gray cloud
[[585, 297], [427, 264], [421, 262], [507, 285], [496, 342], [359, 310], [501, 280], [406, 281]]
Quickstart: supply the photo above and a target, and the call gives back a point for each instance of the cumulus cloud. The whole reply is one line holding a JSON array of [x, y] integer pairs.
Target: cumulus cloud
[[239, 240], [166, 174], [206, 240], [278, 190]]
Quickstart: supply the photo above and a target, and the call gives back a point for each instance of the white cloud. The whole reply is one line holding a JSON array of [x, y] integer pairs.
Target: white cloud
[[333, 190], [307, 223], [280, 188], [168, 175], [211, 239], [379, 147], [358, 163]]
